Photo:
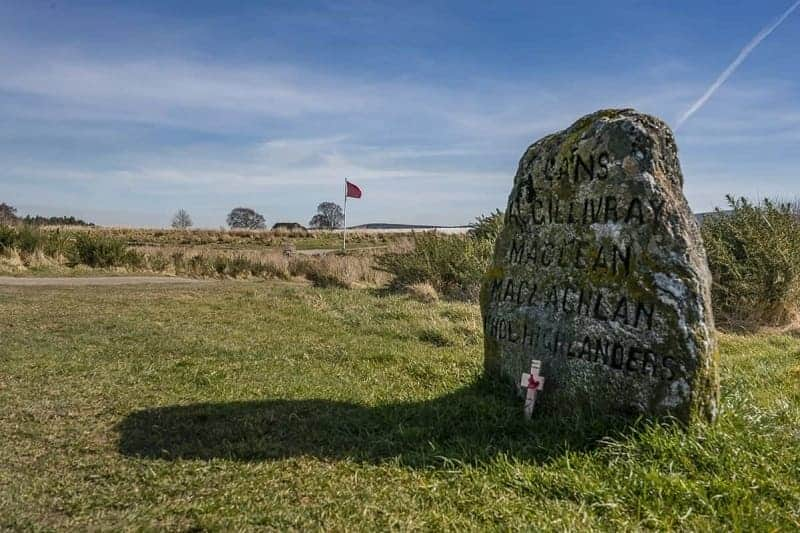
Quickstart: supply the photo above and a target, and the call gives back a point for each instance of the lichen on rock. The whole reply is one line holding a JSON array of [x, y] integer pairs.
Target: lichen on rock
[[601, 274]]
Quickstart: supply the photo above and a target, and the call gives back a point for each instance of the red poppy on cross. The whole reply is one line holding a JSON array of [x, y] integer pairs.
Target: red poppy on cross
[[532, 382]]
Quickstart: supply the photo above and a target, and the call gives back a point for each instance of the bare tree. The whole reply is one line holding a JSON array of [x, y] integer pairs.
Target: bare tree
[[245, 218], [329, 216], [181, 220]]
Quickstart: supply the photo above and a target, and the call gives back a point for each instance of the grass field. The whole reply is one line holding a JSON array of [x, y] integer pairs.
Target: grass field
[[241, 239], [79, 252], [237, 405]]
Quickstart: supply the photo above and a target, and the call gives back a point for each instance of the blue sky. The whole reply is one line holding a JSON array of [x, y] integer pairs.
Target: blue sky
[[124, 112]]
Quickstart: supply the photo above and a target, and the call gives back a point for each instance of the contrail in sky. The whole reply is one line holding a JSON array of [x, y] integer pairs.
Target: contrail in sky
[[763, 34]]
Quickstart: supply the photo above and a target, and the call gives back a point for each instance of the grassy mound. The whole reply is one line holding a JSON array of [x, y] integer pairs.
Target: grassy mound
[[239, 406]]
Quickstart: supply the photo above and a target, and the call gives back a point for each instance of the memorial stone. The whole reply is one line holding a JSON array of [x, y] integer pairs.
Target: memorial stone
[[601, 275]]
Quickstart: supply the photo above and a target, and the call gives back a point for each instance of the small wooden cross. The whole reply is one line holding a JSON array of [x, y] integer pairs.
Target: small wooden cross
[[532, 382]]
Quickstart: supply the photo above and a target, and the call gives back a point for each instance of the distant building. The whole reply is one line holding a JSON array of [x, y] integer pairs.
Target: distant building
[[289, 226]]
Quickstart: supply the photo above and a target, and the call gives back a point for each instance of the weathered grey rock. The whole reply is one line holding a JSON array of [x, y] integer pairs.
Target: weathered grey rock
[[600, 273]]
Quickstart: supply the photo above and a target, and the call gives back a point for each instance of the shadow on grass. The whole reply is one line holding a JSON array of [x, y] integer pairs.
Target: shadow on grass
[[470, 425]]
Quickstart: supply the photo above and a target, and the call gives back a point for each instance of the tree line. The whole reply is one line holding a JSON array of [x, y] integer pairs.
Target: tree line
[[329, 215], [8, 217]]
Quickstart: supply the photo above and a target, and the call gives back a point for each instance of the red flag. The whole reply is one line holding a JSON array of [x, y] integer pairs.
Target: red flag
[[352, 190]]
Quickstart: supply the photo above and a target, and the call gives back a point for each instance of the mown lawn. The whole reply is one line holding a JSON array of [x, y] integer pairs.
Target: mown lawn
[[241, 405]]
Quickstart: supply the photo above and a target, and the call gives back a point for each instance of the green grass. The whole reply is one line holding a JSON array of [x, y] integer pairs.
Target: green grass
[[242, 405], [80, 271]]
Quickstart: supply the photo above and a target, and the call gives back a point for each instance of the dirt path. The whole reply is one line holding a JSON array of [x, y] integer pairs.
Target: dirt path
[[99, 280], [323, 251]]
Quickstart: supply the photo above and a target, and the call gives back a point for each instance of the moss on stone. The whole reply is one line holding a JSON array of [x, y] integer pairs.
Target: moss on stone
[[684, 327]]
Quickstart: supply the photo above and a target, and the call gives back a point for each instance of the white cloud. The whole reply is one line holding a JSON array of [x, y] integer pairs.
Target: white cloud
[[156, 88], [88, 122]]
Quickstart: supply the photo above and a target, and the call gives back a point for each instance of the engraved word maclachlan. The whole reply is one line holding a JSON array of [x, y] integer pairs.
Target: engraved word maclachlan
[[600, 273]]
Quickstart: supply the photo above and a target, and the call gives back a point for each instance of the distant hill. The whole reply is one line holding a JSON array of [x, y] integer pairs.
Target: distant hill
[[702, 216], [380, 225]]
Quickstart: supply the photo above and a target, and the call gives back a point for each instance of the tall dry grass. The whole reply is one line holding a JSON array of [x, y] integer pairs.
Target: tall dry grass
[[26, 248], [337, 270], [238, 238]]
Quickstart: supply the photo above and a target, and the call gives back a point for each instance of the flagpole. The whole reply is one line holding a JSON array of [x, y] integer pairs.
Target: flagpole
[[344, 232]]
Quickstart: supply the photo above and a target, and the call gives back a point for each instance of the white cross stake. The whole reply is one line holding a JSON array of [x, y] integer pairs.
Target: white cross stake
[[532, 382]]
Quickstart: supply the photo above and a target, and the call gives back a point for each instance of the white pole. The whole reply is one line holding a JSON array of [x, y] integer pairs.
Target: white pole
[[344, 232]]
